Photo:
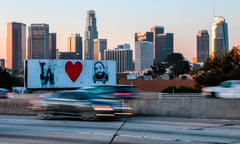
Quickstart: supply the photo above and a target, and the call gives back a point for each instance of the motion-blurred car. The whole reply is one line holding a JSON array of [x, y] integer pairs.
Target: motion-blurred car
[[114, 91], [226, 89], [4, 93], [77, 104]]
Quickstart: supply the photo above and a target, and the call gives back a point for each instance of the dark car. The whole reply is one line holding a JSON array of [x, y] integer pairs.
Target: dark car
[[114, 91], [77, 103]]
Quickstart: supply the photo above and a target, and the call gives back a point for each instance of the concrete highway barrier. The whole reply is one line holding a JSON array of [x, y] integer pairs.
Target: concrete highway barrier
[[153, 104], [188, 106]]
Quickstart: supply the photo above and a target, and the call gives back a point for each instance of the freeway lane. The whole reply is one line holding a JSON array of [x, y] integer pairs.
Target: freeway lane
[[137, 130]]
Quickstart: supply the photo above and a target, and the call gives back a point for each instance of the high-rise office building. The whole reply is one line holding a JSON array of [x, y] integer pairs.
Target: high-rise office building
[[143, 55], [90, 34], [163, 46], [123, 57], [202, 45], [144, 36], [156, 30], [16, 45], [219, 35], [75, 45], [99, 46], [38, 41], [124, 46], [52, 45]]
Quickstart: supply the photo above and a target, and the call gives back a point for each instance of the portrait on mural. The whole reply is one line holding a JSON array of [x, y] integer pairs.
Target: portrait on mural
[[100, 72]]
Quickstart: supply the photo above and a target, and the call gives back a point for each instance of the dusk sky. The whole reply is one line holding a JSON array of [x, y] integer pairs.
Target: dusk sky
[[118, 20]]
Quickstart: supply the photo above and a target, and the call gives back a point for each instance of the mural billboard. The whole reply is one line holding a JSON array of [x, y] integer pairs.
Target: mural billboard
[[42, 73]]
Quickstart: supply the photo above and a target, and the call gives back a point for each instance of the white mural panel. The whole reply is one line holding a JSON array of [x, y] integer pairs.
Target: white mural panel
[[69, 73]]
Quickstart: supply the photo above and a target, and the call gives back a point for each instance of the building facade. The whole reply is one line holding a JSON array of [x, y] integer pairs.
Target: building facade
[[202, 45], [143, 55], [38, 47], [74, 45], [219, 36], [90, 34], [123, 58], [68, 55], [124, 46], [164, 44], [52, 45], [144, 36], [156, 30], [99, 46], [16, 45]]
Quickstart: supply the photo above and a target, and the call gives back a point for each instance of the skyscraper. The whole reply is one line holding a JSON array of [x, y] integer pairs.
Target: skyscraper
[[38, 41], [202, 45], [143, 55], [144, 36], [75, 44], [163, 46], [16, 45], [90, 34], [219, 35], [99, 46], [52, 45], [123, 57], [156, 30]]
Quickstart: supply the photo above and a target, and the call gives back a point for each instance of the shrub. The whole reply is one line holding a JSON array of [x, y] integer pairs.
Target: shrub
[[181, 89]]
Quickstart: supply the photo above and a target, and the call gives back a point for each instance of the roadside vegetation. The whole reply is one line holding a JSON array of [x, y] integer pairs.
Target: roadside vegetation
[[181, 89], [9, 79], [224, 66], [174, 65]]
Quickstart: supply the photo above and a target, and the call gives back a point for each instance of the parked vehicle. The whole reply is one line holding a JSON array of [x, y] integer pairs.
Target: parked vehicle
[[226, 89], [77, 103], [114, 91]]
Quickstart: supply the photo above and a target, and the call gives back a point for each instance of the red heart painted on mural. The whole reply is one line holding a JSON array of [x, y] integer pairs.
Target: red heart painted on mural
[[73, 70]]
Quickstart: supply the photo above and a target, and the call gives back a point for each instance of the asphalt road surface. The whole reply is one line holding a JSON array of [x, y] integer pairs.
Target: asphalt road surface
[[136, 130]]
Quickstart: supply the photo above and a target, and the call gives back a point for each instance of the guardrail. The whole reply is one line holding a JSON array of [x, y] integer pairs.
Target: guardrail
[[179, 95]]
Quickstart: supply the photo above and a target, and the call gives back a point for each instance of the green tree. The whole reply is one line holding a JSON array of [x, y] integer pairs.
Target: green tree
[[224, 66], [178, 64], [158, 69], [9, 79], [5, 79]]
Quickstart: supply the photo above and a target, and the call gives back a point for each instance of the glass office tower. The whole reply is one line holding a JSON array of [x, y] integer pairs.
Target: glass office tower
[[202, 45], [38, 41], [91, 33], [74, 44], [219, 36], [16, 45]]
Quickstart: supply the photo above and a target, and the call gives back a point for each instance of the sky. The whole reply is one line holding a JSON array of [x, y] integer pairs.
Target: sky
[[118, 20]]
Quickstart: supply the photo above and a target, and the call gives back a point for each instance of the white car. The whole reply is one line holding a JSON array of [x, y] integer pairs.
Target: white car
[[226, 89]]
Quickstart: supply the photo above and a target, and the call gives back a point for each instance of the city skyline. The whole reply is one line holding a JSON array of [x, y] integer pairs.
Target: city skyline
[[118, 21]]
